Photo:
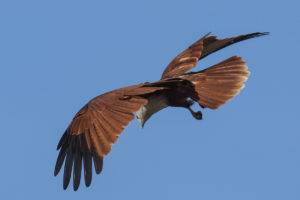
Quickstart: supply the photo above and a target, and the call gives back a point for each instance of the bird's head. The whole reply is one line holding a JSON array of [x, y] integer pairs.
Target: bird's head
[[155, 104], [142, 116]]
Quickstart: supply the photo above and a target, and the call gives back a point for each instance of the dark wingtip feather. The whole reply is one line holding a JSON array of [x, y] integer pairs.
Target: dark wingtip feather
[[68, 166], [77, 167], [247, 36], [265, 33], [212, 44], [87, 169], [60, 160], [87, 162], [62, 140], [256, 34], [98, 163]]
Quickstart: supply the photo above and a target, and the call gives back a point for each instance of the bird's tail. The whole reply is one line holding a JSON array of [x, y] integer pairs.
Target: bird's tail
[[220, 83]]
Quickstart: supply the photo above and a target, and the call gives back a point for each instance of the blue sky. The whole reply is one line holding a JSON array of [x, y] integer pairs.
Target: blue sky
[[56, 55]]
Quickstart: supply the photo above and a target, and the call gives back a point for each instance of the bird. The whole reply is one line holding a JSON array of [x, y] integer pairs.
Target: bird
[[98, 124]]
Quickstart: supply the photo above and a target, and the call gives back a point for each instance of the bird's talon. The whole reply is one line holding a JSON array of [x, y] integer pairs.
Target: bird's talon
[[196, 115]]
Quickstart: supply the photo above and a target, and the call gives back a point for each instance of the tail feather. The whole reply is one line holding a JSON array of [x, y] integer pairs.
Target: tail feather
[[219, 83]]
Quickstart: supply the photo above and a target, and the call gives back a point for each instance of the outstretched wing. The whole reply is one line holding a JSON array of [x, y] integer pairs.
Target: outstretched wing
[[189, 58], [184, 61], [212, 44], [94, 129]]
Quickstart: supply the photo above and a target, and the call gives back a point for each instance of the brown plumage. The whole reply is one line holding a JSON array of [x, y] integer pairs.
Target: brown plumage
[[98, 124]]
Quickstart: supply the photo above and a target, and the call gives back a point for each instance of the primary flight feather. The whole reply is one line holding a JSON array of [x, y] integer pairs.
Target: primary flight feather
[[98, 124]]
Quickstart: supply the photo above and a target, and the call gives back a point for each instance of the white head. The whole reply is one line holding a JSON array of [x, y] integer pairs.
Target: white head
[[155, 104]]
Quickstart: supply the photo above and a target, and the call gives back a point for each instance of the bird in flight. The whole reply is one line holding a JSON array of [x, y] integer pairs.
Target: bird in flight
[[99, 123]]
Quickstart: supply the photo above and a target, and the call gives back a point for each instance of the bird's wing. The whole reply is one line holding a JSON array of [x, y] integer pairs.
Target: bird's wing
[[188, 58], [94, 129], [184, 61], [212, 44]]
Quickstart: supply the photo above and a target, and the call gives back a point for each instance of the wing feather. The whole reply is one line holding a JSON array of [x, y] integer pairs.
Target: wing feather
[[68, 167], [60, 159], [77, 167], [87, 162], [184, 61], [98, 163], [110, 132]]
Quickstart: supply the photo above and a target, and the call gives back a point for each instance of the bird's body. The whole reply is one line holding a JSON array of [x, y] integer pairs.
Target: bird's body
[[99, 123]]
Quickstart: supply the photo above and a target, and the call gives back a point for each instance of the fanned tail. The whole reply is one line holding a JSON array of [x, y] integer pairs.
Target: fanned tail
[[220, 83]]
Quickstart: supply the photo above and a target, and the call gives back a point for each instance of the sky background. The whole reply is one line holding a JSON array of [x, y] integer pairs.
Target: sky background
[[56, 55]]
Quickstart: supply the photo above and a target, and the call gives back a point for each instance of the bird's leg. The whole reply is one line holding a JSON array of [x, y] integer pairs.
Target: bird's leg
[[197, 115], [187, 104]]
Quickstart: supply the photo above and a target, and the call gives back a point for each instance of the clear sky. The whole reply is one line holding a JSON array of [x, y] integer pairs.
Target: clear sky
[[56, 55]]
